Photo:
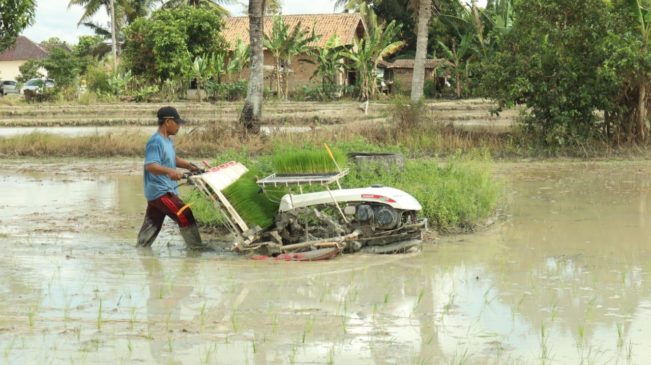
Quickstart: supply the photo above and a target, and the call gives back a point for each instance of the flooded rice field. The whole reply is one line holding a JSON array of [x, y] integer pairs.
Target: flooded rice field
[[565, 278]]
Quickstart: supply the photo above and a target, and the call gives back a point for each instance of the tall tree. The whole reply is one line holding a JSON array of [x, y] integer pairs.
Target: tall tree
[[418, 77], [15, 15], [640, 12], [252, 110], [164, 45]]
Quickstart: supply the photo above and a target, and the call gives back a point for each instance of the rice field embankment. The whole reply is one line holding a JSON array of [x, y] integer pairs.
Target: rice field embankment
[[472, 113]]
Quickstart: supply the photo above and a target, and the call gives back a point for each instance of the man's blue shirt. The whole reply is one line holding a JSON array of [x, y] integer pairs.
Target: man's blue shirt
[[159, 150]]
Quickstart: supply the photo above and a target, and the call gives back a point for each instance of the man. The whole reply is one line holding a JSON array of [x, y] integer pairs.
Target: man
[[161, 187]]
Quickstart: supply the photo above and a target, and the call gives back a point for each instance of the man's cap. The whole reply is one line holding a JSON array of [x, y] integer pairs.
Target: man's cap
[[169, 112]]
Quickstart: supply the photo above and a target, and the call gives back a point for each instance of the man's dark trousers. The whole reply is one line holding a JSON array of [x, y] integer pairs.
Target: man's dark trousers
[[172, 206]]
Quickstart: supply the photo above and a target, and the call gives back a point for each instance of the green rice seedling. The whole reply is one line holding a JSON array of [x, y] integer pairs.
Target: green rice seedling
[[250, 202], [132, 317], [203, 209], [331, 356], [31, 316], [168, 319], [629, 351], [8, 349], [620, 336], [421, 293], [292, 355], [307, 160], [202, 316], [544, 347], [206, 357], [234, 322], [274, 323], [99, 315]]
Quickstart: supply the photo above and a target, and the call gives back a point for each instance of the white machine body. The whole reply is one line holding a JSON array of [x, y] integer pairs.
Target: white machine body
[[395, 198]]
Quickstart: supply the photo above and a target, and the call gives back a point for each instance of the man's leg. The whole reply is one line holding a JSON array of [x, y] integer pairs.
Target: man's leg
[[152, 224], [182, 215]]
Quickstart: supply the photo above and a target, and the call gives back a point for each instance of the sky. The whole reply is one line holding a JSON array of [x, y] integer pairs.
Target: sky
[[55, 19]]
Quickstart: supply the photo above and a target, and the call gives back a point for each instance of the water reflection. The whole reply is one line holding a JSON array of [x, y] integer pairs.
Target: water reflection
[[565, 279]]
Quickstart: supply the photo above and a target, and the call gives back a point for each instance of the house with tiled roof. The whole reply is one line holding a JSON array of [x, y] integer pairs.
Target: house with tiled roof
[[348, 27], [20, 52], [399, 73]]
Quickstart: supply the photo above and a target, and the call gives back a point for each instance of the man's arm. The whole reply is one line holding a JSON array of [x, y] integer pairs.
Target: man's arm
[[157, 169], [184, 164]]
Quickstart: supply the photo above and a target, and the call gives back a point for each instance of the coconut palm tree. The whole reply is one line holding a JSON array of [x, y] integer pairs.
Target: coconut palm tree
[[352, 5], [252, 110], [418, 76], [214, 4]]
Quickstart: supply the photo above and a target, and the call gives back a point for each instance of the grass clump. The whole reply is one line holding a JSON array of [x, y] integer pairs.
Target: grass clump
[[307, 160], [250, 202], [455, 196]]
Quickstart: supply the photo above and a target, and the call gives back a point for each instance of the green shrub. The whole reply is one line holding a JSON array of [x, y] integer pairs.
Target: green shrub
[[327, 92], [97, 80], [456, 195], [145, 93], [230, 91], [429, 89]]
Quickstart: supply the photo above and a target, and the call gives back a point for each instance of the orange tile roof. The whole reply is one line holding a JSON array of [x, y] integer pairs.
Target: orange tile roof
[[348, 26], [24, 49]]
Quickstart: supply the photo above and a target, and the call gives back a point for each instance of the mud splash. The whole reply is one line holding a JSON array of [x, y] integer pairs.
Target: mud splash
[[565, 279]]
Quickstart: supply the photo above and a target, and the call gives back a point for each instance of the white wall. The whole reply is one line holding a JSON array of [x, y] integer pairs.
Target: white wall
[[9, 69]]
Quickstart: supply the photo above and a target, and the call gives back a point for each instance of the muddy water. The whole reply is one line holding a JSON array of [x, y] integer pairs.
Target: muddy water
[[564, 279]]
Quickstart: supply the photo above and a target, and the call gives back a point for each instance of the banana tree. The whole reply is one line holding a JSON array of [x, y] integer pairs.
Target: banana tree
[[329, 61], [284, 44], [239, 58], [459, 58], [202, 70], [378, 42]]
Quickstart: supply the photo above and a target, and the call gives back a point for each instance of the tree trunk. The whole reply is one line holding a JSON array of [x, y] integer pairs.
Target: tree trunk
[[114, 43], [418, 77], [252, 111], [641, 112], [278, 76]]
